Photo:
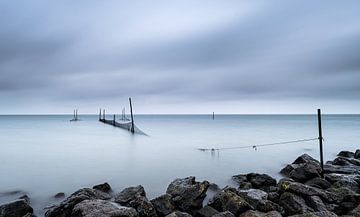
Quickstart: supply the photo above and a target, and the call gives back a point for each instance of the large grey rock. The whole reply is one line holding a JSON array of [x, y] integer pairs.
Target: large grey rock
[[224, 214], [228, 200], [348, 154], [357, 154], [206, 211], [316, 203], [293, 204], [143, 207], [102, 208], [348, 169], [305, 158], [316, 214], [187, 194], [15, 208], [255, 213], [305, 171], [355, 212], [350, 181], [260, 180], [318, 182], [105, 187], [64, 209], [129, 194], [253, 196], [179, 214], [163, 205]]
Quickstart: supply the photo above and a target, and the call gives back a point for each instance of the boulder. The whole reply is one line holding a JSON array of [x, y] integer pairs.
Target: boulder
[[287, 169], [357, 154], [129, 194], [95, 208], [64, 209], [355, 212], [348, 154], [143, 207], [316, 203], [305, 158], [242, 181], [163, 205], [344, 180], [228, 200], [206, 211], [59, 195], [318, 182], [293, 204], [348, 169], [255, 213], [305, 171], [260, 180], [179, 214], [274, 197], [316, 214], [224, 214], [16, 208], [253, 196], [187, 194], [341, 161], [105, 187]]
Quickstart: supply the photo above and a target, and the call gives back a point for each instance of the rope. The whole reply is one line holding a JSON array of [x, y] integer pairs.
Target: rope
[[261, 145]]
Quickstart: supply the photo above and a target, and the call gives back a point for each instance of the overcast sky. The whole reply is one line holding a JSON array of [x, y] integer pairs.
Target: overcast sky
[[180, 56]]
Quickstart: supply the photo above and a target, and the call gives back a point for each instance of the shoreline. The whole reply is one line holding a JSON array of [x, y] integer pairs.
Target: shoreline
[[301, 193]]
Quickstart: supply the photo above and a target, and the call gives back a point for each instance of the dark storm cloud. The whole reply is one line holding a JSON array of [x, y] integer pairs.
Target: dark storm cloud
[[192, 51]]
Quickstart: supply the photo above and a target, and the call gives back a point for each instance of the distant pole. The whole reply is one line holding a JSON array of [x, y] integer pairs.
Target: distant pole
[[76, 115], [132, 117], [104, 114], [213, 115], [100, 115], [114, 120], [320, 143]]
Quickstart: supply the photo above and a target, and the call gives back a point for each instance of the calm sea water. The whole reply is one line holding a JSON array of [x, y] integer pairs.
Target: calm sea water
[[44, 155]]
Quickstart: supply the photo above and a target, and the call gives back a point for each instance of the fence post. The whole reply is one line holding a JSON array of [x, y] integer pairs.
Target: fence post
[[320, 143]]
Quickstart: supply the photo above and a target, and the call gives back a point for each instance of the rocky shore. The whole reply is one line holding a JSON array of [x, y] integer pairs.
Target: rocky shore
[[302, 193]]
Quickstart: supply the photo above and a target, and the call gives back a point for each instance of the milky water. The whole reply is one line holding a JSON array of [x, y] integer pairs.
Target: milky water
[[43, 155]]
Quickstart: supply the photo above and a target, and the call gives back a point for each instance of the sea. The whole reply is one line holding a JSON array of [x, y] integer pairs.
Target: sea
[[41, 155]]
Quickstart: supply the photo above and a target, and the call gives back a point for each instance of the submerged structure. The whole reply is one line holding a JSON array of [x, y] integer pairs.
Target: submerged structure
[[75, 118]]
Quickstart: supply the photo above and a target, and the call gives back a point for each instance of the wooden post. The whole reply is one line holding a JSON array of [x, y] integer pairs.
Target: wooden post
[[114, 120], [104, 114], [320, 143], [132, 117], [213, 115], [76, 115], [100, 115]]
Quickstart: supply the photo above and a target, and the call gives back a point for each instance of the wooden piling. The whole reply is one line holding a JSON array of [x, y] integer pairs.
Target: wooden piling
[[213, 116], [100, 115], [104, 114], [320, 143], [132, 117], [114, 120]]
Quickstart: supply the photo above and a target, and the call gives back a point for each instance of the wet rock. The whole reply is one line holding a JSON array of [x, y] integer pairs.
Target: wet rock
[[293, 204], [64, 209], [305, 158], [357, 154], [305, 171], [348, 154], [260, 180], [341, 161], [316, 214], [15, 208], [29, 215], [228, 200], [274, 197], [343, 194], [242, 181], [95, 208], [129, 194], [25, 197], [105, 187], [255, 213], [187, 194], [355, 212], [253, 196], [316, 203], [349, 169], [179, 214], [267, 205], [206, 211], [163, 205], [143, 207], [59, 195], [224, 214], [318, 182], [214, 187], [287, 169]]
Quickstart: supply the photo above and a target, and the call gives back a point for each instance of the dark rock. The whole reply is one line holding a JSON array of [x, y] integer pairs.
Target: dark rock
[[224, 214], [293, 204], [64, 209], [95, 208], [129, 194], [318, 182], [29, 215], [143, 207], [355, 212], [349, 169], [316, 203], [316, 214], [242, 181], [163, 205], [15, 208], [274, 197], [59, 195], [305, 158], [228, 200], [187, 194], [255, 213], [214, 187], [348, 154], [287, 169], [357, 154], [344, 194], [267, 205], [341, 161], [206, 211], [253, 196], [105, 187], [260, 180], [179, 214], [25, 197], [305, 171], [348, 206]]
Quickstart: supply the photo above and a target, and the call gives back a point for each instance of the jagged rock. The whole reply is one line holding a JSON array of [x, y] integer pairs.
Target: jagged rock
[[342, 180], [305, 171], [143, 207], [25, 197], [316, 214], [224, 214], [318, 182], [343, 194], [179, 214], [255, 213], [357, 154], [305, 158], [29, 215], [163, 205], [95, 208], [348, 154], [349, 169], [59, 195], [206, 211], [105, 187], [242, 181], [316, 203], [187, 194], [341, 161], [293, 204], [64, 209], [253, 196], [288, 168], [15, 208], [260, 180], [214, 187], [274, 197], [228, 200], [129, 194], [267, 205], [355, 212]]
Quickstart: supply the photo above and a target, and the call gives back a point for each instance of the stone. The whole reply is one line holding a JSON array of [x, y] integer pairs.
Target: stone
[[316, 203], [129, 194], [253, 196], [305, 171], [344, 180], [316, 214], [293, 204], [348, 154], [15, 208], [357, 154], [143, 207], [105, 187], [305, 158], [287, 169], [348, 169], [355, 212], [228, 200], [64, 209], [255, 213], [341, 161], [163, 205], [25, 197], [95, 208], [260, 180], [318, 182], [274, 197], [59, 195], [179, 214], [224, 214], [187, 194], [242, 181], [206, 211]]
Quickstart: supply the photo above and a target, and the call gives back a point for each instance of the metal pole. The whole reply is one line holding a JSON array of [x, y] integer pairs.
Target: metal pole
[[104, 114], [213, 115], [320, 143], [76, 115], [114, 120], [100, 115], [132, 117]]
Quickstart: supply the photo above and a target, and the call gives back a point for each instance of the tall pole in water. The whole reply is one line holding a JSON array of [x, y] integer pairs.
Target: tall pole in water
[[213, 115], [76, 115], [100, 115], [104, 114], [132, 117], [320, 143]]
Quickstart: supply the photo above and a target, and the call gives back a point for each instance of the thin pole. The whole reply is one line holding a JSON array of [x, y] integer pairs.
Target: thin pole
[[76, 115], [132, 117], [320, 143], [104, 114], [100, 115], [213, 115], [114, 120]]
